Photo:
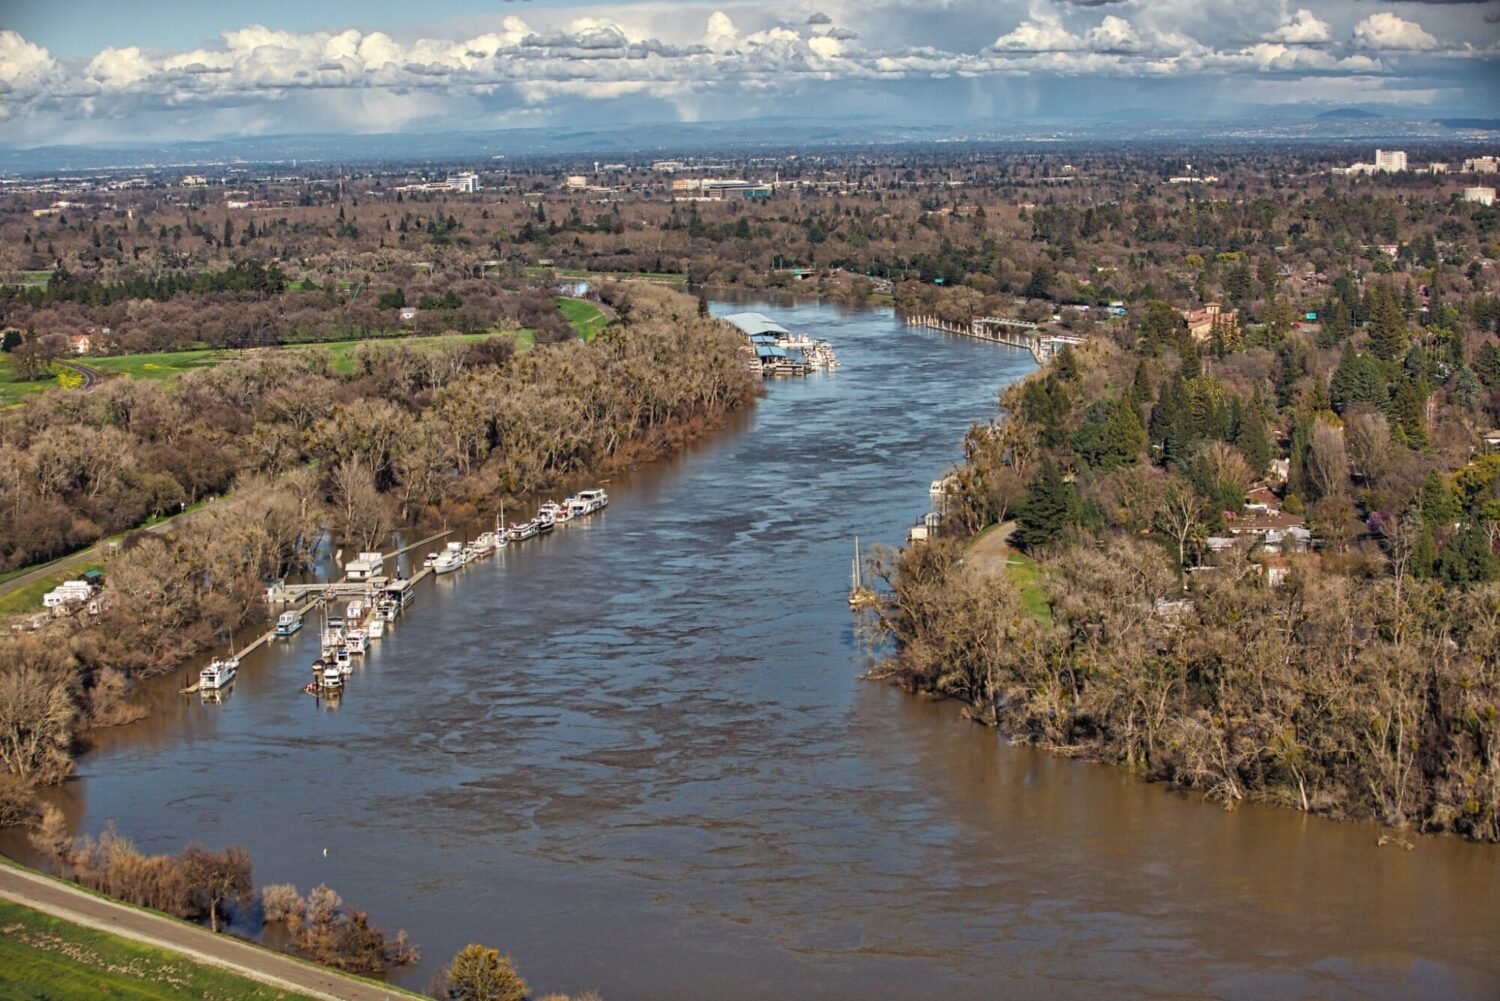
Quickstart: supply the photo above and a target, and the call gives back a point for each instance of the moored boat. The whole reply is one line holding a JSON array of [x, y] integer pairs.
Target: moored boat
[[355, 640], [594, 500], [219, 673], [522, 532], [376, 628], [288, 623], [447, 562]]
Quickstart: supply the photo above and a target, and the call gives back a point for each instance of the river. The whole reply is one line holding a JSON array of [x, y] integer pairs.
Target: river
[[638, 756]]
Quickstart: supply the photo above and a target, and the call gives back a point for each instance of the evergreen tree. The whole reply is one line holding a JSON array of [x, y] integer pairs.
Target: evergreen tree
[[1439, 505], [1407, 412], [1387, 326], [1048, 508], [1357, 379], [1113, 435], [1467, 558], [1171, 421], [1140, 388], [1253, 441]]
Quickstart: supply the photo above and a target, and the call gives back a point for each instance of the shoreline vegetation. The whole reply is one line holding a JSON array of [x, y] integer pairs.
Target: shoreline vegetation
[[409, 436], [1356, 677]]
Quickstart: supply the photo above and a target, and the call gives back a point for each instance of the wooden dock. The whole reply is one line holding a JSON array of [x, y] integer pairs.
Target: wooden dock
[[999, 330], [291, 593]]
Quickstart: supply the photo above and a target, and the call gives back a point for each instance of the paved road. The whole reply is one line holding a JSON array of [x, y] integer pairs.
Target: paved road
[[71, 904], [90, 374]]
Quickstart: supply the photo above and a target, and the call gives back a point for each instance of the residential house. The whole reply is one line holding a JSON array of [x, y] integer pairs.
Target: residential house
[[80, 344], [1201, 322]]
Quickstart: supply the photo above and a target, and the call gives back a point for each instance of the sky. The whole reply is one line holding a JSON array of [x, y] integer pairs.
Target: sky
[[87, 71]]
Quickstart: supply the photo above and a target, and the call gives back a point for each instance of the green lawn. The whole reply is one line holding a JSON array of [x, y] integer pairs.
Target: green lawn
[[13, 391], [42, 957], [161, 365], [1027, 577], [585, 317]]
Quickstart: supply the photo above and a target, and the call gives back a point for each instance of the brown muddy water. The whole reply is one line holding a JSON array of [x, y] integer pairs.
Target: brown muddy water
[[637, 756]]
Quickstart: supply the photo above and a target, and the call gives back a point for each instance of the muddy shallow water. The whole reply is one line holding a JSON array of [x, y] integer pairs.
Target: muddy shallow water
[[637, 755]]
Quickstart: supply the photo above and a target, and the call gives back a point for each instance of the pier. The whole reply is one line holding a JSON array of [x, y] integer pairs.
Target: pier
[[292, 593], [999, 330]]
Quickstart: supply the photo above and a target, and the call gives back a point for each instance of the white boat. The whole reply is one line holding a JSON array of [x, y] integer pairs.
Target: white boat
[[367, 566], [596, 499], [543, 522], [355, 613], [522, 532], [466, 555], [376, 628], [356, 641], [331, 676], [288, 623], [430, 560], [399, 593], [554, 512], [447, 562], [484, 545], [343, 661], [219, 673]]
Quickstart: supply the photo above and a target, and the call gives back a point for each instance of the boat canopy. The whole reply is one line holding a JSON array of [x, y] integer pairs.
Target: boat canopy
[[770, 351], [756, 323]]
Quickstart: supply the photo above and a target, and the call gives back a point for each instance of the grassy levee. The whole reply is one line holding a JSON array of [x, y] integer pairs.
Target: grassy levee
[[42, 957], [239, 987], [584, 316]]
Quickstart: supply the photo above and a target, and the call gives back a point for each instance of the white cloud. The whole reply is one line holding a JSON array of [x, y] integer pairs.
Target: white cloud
[[692, 56], [1115, 34], [1041, 32], [1392, 32], [1301, 28]]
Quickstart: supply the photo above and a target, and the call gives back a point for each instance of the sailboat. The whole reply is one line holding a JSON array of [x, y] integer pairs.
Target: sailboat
[[856, 583]]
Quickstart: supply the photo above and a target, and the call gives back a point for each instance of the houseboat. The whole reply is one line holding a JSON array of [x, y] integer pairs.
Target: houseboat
[[365, 567], [595, 500], [288, 623], [219, 673], [355, 641], [522, 532], [447, 562], [376, 628]]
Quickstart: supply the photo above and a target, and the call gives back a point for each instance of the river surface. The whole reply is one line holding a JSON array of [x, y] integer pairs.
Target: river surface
[[638, 756]]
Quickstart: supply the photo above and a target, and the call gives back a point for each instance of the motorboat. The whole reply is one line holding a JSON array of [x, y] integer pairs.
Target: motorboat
[[555, 513], [430, 560], [288, 623], [447, 562], [595, 499], [523, 531], [376, 628], [543, 522], [484, 545], [330, 676], [219, 673], [355, 613], [355, 641]]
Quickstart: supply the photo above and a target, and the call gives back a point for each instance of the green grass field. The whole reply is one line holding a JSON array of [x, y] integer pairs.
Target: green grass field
[[43, 958], [1027, 577], [163, 365], [13, 391], [585, 317]]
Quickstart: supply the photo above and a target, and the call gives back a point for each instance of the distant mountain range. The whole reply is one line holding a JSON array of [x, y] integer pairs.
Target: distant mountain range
[[740, 138]]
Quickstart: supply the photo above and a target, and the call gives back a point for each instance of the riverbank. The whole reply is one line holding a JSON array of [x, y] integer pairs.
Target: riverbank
[[63, 941]]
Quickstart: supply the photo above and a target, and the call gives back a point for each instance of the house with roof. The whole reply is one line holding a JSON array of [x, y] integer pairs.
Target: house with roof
[[80, 344], [1201, 322]]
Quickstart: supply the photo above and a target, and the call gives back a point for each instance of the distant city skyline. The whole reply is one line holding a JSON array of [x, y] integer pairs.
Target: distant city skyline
[[170, 70]]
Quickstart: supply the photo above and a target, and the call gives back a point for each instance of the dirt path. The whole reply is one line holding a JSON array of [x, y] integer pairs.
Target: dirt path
[[989, 552], [199, 944]]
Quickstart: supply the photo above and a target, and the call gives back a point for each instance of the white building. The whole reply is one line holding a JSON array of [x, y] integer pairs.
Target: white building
[[466, 183], [1390, 161], [1484, 196], [1482, 165]]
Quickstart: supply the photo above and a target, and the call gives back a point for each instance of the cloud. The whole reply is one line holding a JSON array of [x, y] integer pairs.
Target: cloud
[[1301, 28], [1041, 32], [692, 58], [1392, 32]]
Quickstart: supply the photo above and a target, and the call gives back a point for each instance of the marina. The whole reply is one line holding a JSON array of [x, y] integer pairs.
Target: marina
[[774, 351]]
